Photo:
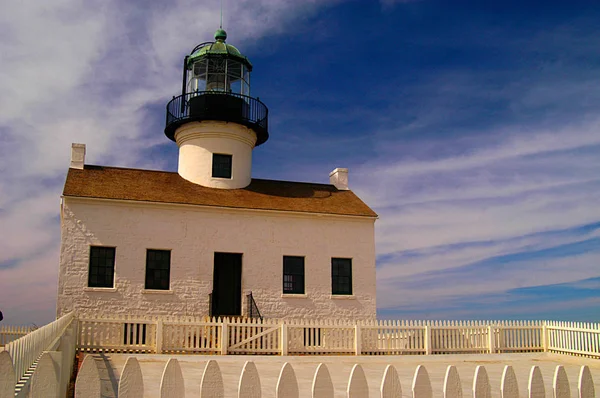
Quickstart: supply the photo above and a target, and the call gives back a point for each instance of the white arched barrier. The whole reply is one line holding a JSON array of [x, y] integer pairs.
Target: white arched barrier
[[536, 383], [322, 386], [586, 384], [481, 383], [45, 380], [357, 385], [211, 385], [172, 384], [287, 384], [249, 386], [421, 385], [88, 383], [452, 385], [561, 383], [131, 384], [7, 376], [508, 386], [390, 384]]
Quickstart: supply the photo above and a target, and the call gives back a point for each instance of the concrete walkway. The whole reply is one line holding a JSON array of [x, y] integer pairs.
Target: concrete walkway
[[340, 366]]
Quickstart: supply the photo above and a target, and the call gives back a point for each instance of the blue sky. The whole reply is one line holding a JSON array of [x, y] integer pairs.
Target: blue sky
[[472, 129]]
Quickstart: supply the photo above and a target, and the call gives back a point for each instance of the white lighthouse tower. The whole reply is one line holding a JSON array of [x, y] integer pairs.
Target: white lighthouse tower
[[215, 122]]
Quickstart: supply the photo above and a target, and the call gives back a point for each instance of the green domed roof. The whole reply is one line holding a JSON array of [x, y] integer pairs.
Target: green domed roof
[[220, 34], [218, 48]]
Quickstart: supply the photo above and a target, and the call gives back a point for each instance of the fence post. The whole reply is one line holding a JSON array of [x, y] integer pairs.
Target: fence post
[[284, 339], [491, 339], [224, 337], [159, 335], [428, 347], [357, 340], [545, 337]]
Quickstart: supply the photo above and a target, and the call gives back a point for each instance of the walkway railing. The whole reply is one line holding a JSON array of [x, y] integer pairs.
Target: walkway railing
[[321, 337], [253, 311], [358, 382], [26, 350], [10, 333], [579, 338], [218, 105]]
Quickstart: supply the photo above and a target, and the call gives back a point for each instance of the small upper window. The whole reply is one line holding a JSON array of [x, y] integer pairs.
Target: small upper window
[[221, 167], [158, 269], [293, 275], [102, 267], [341, 276]]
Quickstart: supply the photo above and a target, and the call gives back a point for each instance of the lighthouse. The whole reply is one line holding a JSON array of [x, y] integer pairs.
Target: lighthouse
[[210, 240], [215, 122]]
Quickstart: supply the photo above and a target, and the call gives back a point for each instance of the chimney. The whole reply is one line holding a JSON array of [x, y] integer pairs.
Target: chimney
[[77, 156], [339, 178]]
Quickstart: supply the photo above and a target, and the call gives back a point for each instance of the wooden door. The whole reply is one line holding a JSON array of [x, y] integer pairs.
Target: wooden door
[[227, 285]]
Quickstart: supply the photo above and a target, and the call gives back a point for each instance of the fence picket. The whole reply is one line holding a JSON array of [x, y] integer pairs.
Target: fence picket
[[322, 385], [421, 386], [172, 383], [481, 383], [508, 386], [131, 383], [452, 385], [10, 333], [585, 384], [536, 383], [249, 386], [287, 384], [211, 385]]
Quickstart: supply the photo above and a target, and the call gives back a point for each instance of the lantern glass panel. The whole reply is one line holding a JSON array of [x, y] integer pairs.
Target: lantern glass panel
[[216, 75], [246, 86]]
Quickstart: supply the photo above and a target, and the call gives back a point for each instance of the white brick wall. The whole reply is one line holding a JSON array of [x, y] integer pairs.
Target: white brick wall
[[193, 234]]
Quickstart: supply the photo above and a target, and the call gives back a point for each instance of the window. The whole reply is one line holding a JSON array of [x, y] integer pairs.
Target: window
[[221, 165], [341, 276], [158, 268], [293, 275], [102, 266]]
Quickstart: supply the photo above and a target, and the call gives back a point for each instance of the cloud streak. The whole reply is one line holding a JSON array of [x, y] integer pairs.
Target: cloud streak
[[484, 172], [88, 73]]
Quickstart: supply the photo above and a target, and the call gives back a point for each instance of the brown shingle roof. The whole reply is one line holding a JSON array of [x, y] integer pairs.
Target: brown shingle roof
[[168, 187]]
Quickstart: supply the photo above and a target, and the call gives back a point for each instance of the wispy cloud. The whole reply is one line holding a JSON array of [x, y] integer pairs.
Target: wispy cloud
[[477, 198], [75, 72], [484, 171]]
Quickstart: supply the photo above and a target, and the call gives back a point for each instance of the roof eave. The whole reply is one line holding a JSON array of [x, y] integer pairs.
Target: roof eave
[[374, 216]]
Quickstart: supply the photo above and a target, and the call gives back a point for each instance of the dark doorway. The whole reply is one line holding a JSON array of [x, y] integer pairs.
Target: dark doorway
[[227, 285]]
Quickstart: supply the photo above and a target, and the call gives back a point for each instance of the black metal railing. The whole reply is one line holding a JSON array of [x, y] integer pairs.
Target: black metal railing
[[253, 311], [218, 105]]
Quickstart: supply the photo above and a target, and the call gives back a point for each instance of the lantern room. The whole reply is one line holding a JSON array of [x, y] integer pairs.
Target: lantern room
[[217, 66], [216, 86]]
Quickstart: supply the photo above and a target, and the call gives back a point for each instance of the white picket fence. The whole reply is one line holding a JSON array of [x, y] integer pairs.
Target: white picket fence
[[172, 385], [25, 352], [10, 333], [319, 337], [578, 338]]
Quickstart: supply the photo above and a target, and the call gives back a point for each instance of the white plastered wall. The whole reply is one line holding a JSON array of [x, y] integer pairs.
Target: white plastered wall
[[193, 234], [198, 141]]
